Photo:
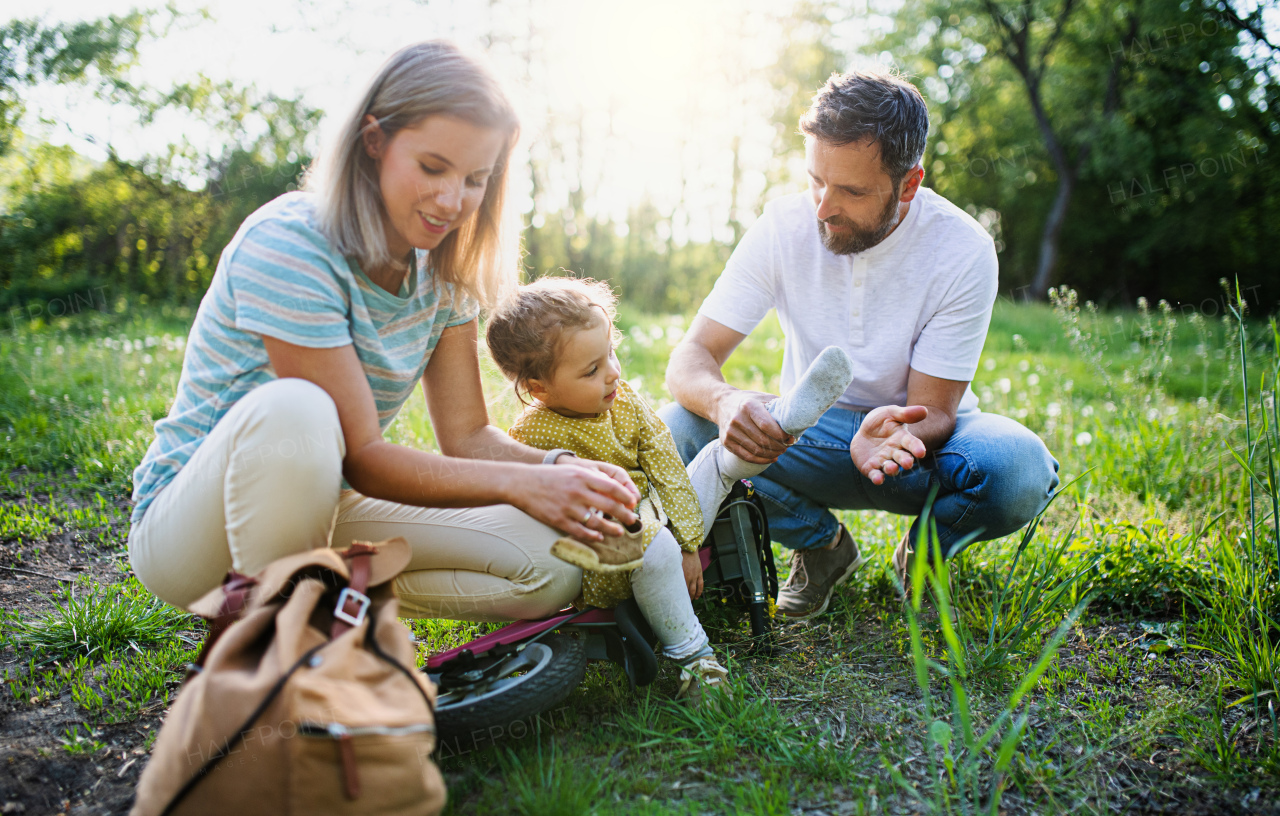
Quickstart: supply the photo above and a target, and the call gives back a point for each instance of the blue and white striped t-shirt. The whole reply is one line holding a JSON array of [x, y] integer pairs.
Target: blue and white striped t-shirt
[[279, 276]]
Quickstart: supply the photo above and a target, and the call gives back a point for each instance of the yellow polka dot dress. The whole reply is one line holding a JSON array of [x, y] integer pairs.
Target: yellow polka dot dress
[[631, 436]]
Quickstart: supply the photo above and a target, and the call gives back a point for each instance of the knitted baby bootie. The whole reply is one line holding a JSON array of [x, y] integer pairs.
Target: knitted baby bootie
[[615, 554]]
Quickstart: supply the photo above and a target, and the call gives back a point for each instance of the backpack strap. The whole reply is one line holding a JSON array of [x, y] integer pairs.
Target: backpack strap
[[235, 594], [232, 742], [353, 603]]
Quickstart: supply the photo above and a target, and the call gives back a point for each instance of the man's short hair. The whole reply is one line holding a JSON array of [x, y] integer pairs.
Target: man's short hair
[[875, 104]]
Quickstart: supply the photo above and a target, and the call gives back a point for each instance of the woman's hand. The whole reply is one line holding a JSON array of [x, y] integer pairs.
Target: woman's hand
[[611, 470], [692, 565], [572, 494]]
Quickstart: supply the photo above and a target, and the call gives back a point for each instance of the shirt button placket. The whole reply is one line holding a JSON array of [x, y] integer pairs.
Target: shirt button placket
[[858, 271]]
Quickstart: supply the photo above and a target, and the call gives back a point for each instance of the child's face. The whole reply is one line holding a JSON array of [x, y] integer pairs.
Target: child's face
[[585, 380]]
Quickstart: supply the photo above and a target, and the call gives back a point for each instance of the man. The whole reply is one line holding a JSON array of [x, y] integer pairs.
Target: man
[[902, 280]]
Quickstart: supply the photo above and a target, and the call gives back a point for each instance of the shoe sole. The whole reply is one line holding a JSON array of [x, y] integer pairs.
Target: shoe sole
[[857, 564]]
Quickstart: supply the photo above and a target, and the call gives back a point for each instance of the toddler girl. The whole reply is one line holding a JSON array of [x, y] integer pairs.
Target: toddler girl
[[554, 339]]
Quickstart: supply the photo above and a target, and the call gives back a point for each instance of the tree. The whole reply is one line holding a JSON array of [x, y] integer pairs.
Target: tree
[[1124, 146], [95, 53], [152, 226]]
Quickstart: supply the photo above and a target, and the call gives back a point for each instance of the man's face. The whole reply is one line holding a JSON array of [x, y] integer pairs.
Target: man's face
[[856, 201]]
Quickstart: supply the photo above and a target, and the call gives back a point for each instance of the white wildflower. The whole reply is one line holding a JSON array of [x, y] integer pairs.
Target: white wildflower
[[1084, 438]]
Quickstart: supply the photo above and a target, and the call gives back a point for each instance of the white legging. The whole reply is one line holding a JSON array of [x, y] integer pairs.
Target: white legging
[[663, 596], [266, 483]]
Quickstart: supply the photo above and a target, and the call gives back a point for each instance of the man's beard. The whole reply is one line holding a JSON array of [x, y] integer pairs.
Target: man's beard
[[858, 238]]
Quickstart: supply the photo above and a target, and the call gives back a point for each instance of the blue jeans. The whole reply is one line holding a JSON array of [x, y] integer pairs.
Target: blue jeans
[[993, 476]]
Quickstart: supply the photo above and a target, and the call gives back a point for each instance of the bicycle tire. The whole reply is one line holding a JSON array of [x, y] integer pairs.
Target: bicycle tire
[[556, 672]]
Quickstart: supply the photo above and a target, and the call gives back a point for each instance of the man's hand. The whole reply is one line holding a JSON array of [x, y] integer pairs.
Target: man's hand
[[749, 431], [692, 565], [884, 445]]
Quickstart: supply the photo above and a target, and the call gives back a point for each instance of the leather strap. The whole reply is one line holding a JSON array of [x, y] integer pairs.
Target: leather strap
[[350, 771], [235, 594], [359, 554]]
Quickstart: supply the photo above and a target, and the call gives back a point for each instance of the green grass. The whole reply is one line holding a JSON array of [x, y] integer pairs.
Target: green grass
[[92, 620], [1166, 681]]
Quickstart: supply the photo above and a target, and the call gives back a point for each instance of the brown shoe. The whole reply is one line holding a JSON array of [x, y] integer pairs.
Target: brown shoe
[[814, 576], [903, 556], [902, 560], [615, 554]]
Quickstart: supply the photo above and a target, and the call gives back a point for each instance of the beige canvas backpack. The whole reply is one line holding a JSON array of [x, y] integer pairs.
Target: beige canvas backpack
[[305, 699]]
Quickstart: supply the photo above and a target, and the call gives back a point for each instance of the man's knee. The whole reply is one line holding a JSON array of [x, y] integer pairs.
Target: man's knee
[[1024, 477], [690, 431]]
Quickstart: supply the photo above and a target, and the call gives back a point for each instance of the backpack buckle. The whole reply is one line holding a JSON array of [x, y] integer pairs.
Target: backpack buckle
[[350, 595]]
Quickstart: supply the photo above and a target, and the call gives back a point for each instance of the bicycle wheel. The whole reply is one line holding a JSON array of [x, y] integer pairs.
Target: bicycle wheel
[[511, 689]]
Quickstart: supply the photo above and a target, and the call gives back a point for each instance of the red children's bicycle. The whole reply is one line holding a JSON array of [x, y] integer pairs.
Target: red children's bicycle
[[527, 667]]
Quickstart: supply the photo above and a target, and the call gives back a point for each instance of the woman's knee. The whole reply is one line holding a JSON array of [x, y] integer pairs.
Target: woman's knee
[[547, 584], [290, 425], [490, 564]]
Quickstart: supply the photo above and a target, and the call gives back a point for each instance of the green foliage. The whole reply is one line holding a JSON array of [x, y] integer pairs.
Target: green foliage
[[550, 784], [1240, 620], [32, 52], [37, 685], [32, 520], [76, 235], [1040, 584], [135, 682], [76, 238], [86, 394], [77, 742], [90, 619], [1166, 124], [973, 773]]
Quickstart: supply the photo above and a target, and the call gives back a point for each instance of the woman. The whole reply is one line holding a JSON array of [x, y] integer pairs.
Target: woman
[[326, 307]]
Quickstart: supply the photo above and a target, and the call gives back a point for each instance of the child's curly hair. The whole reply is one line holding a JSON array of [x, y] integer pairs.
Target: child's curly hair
[[526, 329]]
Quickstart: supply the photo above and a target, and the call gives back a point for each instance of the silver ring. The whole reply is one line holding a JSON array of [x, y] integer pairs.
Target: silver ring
[[587, 517]]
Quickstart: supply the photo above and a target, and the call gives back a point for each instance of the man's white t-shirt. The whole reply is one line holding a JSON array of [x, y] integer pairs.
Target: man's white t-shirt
[[919, 299]]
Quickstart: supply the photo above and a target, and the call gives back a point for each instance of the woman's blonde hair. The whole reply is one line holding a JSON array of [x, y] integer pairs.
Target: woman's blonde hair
[[526, 330], [426, 79]]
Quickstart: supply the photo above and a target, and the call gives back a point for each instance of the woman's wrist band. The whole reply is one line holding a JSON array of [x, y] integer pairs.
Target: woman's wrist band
[[553, 455]]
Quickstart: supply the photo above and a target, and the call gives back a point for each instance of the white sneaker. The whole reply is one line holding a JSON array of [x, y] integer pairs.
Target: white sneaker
[[702, 673]]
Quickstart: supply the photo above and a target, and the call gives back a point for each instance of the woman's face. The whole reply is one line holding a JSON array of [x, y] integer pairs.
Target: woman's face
[[433, 176]]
